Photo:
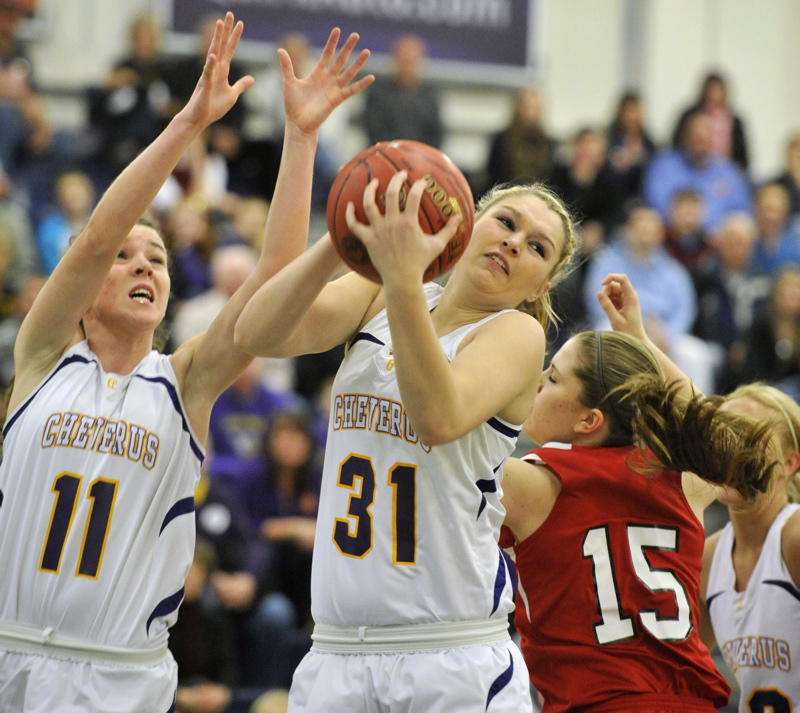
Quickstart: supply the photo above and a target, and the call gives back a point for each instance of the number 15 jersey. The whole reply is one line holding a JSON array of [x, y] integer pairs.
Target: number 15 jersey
[[609, 586], [406, 533]]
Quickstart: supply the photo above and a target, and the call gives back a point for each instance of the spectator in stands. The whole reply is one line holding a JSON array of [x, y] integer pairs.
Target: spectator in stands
[[247, 218], [229, 267], [728, 132], [8, 294], [778, 236], [666, 293], [265, 117], [239, 425], [193, 238], [133, 104], [224, 139], [403, 105], [789, 177], [24, 128], [584, 182], [630, 146], [729, 288], [203, 645], [10, 327], [14, 220], [282, 502], [523, 151], [75, 199], [693, 164], [773, 342], [687, 240]]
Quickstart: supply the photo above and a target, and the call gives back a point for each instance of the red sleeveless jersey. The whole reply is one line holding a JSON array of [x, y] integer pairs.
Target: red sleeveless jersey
[[608, 597]]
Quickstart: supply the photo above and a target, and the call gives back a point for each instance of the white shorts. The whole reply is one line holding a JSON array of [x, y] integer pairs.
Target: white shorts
[[485, 678], [35, 683]]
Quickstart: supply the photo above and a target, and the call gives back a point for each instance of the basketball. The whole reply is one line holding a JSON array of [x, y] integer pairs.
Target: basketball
[[446, 192]]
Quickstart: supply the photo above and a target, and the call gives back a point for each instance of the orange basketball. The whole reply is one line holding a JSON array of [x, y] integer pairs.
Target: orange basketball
[[446, 192]]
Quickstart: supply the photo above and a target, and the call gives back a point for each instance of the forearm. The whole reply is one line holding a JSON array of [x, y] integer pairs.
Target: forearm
[[134, 189], [277, 309], [287, 227]]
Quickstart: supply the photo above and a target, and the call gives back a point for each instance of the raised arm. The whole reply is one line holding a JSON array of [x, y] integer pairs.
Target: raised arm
[[621, 304], [212, 361], [76, 281], [498, 367]]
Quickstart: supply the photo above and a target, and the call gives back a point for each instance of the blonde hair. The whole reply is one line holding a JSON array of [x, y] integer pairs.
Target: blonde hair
[[540, 309], [784, 423]]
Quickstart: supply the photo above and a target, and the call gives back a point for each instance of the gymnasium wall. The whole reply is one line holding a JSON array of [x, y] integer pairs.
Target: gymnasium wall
[[587, 52]]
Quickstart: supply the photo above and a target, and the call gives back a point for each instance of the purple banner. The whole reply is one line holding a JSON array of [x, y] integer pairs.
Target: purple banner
[[495, 33]]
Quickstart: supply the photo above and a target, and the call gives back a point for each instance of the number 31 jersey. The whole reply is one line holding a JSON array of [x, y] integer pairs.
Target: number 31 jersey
[[97, 509], [406, 533]]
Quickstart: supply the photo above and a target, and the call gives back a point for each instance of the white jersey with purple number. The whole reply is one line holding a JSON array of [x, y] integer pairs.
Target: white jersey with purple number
[[406, 533], [97, 509], [758, 629]]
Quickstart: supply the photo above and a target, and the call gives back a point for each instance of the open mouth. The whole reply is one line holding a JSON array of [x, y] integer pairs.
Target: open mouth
[[500, 262], [142, 295]]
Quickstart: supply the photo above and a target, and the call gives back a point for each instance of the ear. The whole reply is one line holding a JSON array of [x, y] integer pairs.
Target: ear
[[592, 421], [538, 292], [791, 463]]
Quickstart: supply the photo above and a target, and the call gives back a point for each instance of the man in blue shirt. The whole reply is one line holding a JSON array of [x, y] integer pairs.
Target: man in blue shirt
[[693, 165], [666, 294]]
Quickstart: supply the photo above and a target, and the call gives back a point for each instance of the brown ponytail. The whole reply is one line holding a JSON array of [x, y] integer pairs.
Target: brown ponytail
[[695, 435]]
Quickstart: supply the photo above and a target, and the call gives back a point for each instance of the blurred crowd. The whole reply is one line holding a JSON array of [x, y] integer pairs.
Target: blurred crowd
[[714, 256]]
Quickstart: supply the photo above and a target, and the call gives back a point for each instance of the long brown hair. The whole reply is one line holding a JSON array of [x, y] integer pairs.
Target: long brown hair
[[621, 376]]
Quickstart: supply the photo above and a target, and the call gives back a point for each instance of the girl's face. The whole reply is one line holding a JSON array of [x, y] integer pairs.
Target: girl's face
[[761, 413], [514, 248], [137, 287], [558, 408]]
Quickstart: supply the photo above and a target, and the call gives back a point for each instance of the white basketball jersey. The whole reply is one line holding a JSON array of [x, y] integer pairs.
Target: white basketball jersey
[[406, 533], [758, 630], [97, 510]]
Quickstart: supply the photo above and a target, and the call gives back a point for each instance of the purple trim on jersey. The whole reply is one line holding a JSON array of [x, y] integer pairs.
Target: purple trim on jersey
[[176, 402], [182, 507], [366, 336], [67, 362], [485, 485], [512, 569], [499, 581], [1, 498], [711, 599], [501, 681], [165, 606], [788, 586], [502, 428], [171, 709]]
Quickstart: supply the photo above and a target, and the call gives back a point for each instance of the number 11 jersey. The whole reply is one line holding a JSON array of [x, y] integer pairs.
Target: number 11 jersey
[[97, 508]]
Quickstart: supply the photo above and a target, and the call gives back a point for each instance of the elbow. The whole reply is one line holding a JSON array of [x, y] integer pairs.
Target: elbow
[[242, 339], [435, 433]]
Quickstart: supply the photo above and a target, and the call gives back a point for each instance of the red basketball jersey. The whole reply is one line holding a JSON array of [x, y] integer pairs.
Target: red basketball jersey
[[609, 584]]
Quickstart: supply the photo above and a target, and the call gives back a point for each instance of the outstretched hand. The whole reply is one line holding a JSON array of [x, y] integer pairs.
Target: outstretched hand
[[309, 101], [397, 245], [621, 304], [214, 95]]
